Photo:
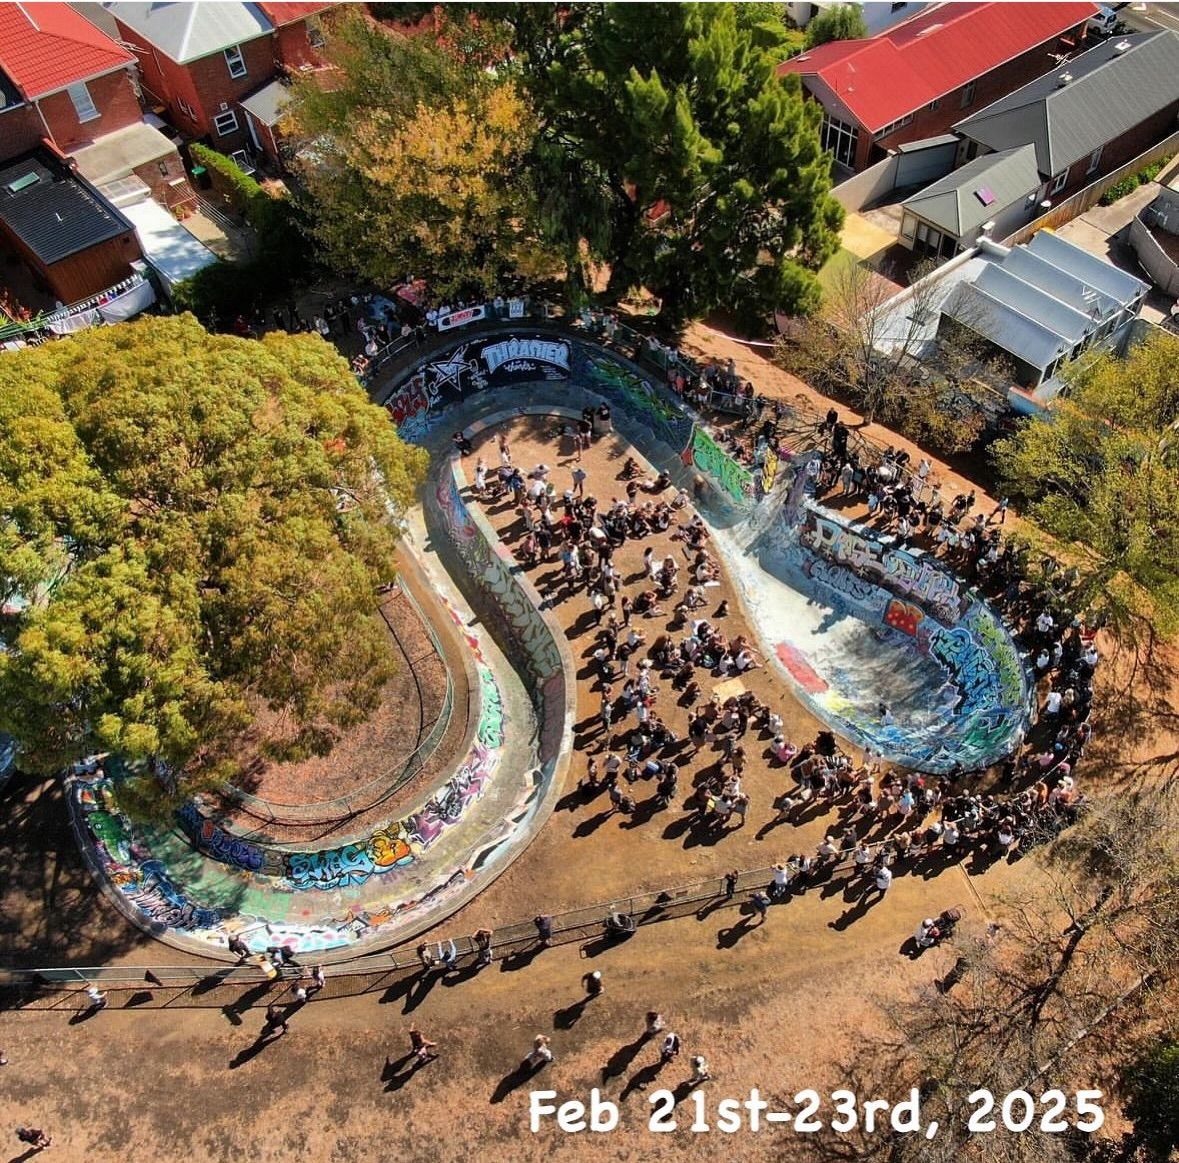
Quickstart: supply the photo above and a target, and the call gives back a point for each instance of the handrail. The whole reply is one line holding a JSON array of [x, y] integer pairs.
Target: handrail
[[45, 319]]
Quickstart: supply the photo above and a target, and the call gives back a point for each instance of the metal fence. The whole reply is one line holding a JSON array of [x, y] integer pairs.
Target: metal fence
[[59, 987]]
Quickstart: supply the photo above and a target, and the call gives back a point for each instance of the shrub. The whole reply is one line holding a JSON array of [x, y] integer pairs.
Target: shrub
[[1131, 182]]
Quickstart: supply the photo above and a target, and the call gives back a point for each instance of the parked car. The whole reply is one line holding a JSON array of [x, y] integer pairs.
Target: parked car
[[1103, 22]]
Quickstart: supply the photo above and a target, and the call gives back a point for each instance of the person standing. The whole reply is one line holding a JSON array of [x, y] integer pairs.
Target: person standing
[[482, 942], [730, 888], [653, 1025], [35, 1137], [544, 929], [540, 1055], [593, 984], [761, 905], [420, 1046], [670, 1048], [700, 1071], [97, 997]]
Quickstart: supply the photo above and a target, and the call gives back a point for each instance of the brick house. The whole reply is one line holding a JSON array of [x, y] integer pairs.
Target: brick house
[[913, 81], [200, 61], [1087, 117], [61, 79], [70, 125]]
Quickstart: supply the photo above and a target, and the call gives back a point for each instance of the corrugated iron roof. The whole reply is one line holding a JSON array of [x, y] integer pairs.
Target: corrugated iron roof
[[906, 67]]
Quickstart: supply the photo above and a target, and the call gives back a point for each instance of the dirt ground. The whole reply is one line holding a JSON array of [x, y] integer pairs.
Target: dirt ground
[[778, 1006]]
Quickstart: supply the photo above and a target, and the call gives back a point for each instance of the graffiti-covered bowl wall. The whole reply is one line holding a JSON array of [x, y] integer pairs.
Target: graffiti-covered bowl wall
[[888, 647]]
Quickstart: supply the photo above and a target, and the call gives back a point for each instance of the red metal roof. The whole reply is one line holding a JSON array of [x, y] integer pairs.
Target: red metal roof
[[280, 14], [45, 47], [904, 68]]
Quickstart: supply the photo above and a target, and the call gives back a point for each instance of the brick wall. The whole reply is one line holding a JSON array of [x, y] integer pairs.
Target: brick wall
[[293, 50], [203, 85], [114, 97], [20, 130]]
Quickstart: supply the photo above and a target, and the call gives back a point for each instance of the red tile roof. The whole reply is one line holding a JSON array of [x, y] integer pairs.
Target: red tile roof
[[280, 14], [904, 68], [45, 47]]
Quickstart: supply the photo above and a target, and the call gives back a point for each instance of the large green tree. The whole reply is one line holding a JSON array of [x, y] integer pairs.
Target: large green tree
[[1102, 468], [192, 527], [843, 22], [414, 159], [670, 149]]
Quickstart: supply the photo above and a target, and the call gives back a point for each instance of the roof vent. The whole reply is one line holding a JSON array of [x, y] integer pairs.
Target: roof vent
[[1063, 80], [1121, 47]]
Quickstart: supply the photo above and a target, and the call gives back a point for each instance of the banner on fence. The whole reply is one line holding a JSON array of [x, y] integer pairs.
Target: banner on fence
[[463, 317]]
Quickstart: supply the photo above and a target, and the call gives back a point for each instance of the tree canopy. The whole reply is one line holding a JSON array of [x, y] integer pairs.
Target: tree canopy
[[414, 161], [192, 526], [843, 22], [669, 146], [1153, 1099], [1102, 468]]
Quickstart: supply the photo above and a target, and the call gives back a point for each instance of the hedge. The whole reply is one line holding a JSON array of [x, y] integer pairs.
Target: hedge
[[1131, 183]]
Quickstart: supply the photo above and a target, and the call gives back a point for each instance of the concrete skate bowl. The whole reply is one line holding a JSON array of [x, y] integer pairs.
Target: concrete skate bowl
[[852, 621], [197, 884], [860, 625]]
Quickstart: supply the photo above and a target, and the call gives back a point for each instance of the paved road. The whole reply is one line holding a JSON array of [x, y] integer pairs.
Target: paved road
[[1151, 17]]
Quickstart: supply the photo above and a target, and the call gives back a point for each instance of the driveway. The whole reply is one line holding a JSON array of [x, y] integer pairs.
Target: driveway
[[1102, 230]]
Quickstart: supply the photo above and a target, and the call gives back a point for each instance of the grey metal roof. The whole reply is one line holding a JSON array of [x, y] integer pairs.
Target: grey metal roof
[[57, 215], [1096, 272], [953, 204], [1040, 300], [1005, 326], [1110, 92], [188, 31], [267, 104]]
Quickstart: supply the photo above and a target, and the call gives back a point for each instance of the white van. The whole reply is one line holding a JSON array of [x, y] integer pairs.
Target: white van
[[1103, 22]]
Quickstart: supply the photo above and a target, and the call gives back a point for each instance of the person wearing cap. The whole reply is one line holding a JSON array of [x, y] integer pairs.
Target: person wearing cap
[[927, 934]]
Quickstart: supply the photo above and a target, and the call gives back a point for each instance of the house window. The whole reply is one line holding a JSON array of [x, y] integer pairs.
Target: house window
[[1095, 159], [968, 94], [898, 7], [84, 105], [186, 108], [315, 36], [163, 169], [892, 126], [841, 139], [936, 103], [235, 61], [225, 123], [1059, 182]]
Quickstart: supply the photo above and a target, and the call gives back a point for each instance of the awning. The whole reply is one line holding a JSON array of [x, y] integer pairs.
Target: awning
[[172, 251], [267, 104]]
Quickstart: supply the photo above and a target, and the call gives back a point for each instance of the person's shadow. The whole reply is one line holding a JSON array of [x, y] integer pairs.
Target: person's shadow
[[849, 916], [397, 1074], [515, 1079], [641, 1079], [253, 1049], [567, 1018], [728, 938], [623, 1057]]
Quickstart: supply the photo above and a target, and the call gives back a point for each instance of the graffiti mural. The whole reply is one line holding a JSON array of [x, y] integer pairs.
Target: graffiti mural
[[894, 569], [877, 625], [708, 456]]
